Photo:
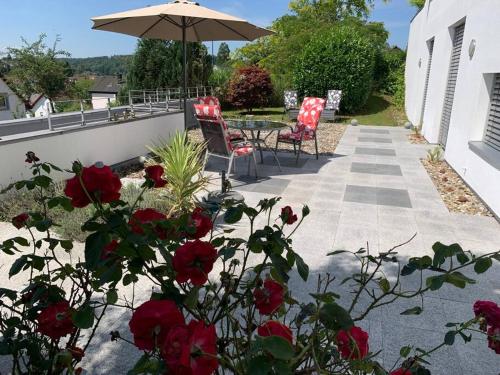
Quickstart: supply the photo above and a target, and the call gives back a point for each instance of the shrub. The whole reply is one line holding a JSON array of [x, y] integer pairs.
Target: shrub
[[250, 87], [281, 83], [399, 88], [219, 80], [219, 303], [341, 59]]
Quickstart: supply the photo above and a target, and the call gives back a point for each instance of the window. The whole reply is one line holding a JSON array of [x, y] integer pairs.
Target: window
[[4, 102], [492, 134]]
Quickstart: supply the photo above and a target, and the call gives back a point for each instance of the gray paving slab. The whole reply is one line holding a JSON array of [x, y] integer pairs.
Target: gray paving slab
[[374, 139], [375, 151], [376, 195], [379, 169]]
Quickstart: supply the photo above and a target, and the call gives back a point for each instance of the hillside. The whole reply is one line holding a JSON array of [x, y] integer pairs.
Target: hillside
[[102, 65]]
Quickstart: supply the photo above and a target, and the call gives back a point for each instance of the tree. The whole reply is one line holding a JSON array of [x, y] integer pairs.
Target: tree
[[417, 3], [35, 68], [250, 87], [223, 54], [158, 63]]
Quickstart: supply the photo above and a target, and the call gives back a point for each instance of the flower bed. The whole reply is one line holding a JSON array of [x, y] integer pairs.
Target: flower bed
[[455, 193]]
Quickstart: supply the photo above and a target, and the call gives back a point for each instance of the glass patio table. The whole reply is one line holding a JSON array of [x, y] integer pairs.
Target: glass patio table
[[252, 130]]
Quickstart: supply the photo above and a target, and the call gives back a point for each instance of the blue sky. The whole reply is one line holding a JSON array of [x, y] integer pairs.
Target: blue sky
[[71, 20]]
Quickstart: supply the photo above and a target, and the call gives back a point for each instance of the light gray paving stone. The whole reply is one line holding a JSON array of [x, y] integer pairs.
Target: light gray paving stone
[[377, 169], [375, 151]]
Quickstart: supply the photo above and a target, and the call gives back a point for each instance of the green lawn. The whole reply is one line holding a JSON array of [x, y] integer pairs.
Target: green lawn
[[379, 110]]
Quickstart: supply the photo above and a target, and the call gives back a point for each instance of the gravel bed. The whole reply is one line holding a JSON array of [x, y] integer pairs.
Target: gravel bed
[[329, 136], [455, 193], [417, 139]]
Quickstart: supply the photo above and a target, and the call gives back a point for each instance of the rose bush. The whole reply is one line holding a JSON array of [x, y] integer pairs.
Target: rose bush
[[219, 302]]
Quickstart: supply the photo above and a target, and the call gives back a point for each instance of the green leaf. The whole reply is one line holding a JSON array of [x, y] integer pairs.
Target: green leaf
[[441, 252], [337, 252], [259, 365], [218, 242], [42, 181], [83, 318], [93, 248], [112, 296], [18, 265], [482, 265], [302, 267], [233, 214], [462, 258], [192, 298], [335, 317], [384, 285], [435, 282], [278, 347], [458, 279], [449, 338], [405, 351], [417, 310]]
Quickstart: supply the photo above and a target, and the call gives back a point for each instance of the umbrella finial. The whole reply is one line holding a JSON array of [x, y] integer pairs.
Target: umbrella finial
[[185, 2]]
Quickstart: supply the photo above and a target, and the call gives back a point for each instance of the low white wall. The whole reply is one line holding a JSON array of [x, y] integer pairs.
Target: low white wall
[[111, 143], [472, 93]]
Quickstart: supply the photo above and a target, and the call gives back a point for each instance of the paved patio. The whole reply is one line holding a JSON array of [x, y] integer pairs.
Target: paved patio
[[375, 191]]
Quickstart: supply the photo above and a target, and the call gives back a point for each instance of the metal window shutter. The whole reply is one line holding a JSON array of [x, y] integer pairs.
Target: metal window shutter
[[492, 134], [426, 86], [452, 83]]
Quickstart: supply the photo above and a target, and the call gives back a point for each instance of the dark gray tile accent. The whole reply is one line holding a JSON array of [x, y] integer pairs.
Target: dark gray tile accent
[[285, 161], [274, 186], [375, 151], [374, 131], [378, 169], [378, 196], [374, 140]]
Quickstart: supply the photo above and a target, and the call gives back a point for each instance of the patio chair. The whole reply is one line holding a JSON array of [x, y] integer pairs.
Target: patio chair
[[332, 105], [307, 125], [235, 136], [291, 101], [216, 135]]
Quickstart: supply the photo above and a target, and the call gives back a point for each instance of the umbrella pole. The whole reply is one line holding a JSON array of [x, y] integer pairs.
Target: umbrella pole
[[184, 70]]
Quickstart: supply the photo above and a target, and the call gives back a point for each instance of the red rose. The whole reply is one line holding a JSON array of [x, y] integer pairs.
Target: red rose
[[269, 298], [489, 310], [288, 216], [273, 328], [31, 157], [20, 220], [109, 250], [200, 223], [101, 184], [152, 321], [494, 339], [193, 261], [55, 320], [353, 344], [155, 173], [175, 343], [196, 355], [401, 371], [141, 218]]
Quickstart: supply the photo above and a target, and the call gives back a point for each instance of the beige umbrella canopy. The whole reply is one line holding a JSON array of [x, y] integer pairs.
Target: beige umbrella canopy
[[180, 20]]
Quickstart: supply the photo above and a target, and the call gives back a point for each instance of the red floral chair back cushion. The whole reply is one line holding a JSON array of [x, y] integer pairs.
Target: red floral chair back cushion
[[214, 128], [210, 100], [310, 113]]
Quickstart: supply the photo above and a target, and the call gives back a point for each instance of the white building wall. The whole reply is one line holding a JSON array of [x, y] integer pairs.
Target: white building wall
[[472, 94], [100, 100], [111, 144], [16, 106]]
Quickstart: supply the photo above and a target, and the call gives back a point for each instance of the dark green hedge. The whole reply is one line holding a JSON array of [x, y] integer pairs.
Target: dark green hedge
[[339, 59]]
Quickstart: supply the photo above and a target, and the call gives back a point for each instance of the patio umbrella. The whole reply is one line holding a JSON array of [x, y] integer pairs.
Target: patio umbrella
[[180, 20]]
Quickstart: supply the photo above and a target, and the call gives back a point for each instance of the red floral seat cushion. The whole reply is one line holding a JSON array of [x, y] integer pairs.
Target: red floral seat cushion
[[244, 148], [212, 101]]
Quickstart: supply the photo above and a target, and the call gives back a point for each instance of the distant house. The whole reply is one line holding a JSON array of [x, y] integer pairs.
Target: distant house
[[11, 106], [37, 106], [104, 88]]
